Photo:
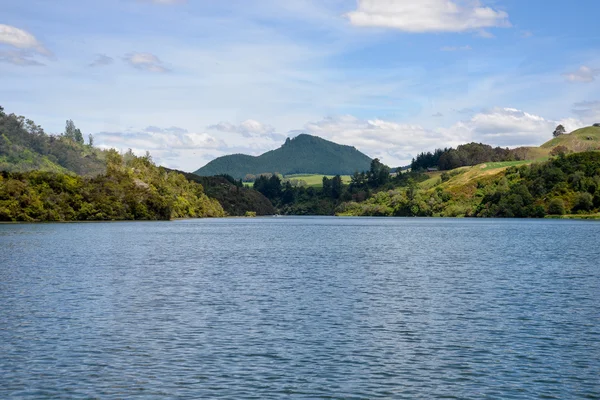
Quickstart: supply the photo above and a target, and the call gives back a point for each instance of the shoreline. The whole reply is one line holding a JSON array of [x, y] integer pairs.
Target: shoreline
[[582, 217]]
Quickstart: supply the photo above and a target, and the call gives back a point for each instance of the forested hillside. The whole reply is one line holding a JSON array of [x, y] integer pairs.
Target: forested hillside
[[236, 199], [304, 154], [24, 146], [63, 178], [132, 188], [584, 139], [567, 184]]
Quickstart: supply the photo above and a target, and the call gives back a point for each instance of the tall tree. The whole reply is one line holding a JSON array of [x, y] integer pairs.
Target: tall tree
[[78, 136], [70, 130], [379, 174], [327, 187], [336, 187]]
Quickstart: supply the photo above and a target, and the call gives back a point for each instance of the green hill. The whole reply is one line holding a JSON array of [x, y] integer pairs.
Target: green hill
[[584, 139], [24, 146], [304, 154]]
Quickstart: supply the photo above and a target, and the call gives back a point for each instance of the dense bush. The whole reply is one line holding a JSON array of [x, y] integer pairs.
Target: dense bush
[[567, 184], [463, 155], [130, 190]]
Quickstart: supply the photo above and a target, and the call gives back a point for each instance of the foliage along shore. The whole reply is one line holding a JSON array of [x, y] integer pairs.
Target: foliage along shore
[[568, 184], [60, 178], [132, 189]]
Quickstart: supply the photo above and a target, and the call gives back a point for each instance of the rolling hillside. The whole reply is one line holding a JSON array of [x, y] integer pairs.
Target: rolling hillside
[[584, 139], [304, 154]]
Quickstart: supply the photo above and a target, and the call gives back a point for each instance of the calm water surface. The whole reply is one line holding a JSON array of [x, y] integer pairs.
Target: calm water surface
[[302, 308]]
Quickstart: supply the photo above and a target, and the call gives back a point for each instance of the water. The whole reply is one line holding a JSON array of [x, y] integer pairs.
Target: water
[[301, 308]]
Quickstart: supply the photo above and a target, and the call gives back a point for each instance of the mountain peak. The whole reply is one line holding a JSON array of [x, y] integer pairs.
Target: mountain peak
[[302, 154]]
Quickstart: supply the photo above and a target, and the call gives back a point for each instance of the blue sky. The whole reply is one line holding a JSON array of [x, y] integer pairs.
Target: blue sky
[[193, 80]]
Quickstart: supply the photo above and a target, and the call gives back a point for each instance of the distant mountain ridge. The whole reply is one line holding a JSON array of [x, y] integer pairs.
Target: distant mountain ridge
[[304, 154]]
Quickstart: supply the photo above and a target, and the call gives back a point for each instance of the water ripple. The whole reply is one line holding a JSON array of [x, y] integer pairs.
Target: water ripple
[[303, 308]]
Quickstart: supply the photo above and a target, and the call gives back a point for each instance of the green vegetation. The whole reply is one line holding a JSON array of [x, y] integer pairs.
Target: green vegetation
[[24, 146], [235, 198], [584, 139], [504, 164], [303, 154], [133, 188], [466, 155], [314, 180], [60, 178], [293, 200], [567, 184]]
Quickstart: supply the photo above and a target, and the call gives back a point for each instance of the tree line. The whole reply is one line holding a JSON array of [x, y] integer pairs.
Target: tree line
[[463, 156]]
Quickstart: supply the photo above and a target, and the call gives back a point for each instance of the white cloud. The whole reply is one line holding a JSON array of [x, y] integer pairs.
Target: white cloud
[[508, 127], [583, 74], [172, 147], [456, 48], [154, 138], [394, 143], [21, 39], [427, 15], [145, 61], [24, 47], [589, 111], [248, 129]]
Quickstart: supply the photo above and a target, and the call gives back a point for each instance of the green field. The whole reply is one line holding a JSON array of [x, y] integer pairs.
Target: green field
[[505, 164], [312, 180], [316, 180]]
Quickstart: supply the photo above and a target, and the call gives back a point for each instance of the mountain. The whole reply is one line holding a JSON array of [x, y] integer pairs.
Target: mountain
[[304, 154]]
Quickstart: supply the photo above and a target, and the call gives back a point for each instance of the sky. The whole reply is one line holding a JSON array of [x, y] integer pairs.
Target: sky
[[193, 80]]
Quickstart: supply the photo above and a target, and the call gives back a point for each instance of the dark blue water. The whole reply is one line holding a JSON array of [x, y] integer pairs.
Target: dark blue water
[[301, 308]]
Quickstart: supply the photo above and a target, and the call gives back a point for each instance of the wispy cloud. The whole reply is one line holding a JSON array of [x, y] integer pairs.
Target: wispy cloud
[[427, 15], [19, 57], [583, 74], [526, 34], [102, 60], [456, 48], [146, 62], [248, 129], [589, 111], [21, 39], [166, 2], [24, 46]]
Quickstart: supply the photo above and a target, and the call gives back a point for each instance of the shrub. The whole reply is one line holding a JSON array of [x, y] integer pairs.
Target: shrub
[[584, 202], [556, 207]]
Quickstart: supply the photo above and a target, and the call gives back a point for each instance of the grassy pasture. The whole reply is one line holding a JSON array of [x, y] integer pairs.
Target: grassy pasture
[[312, 180]]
